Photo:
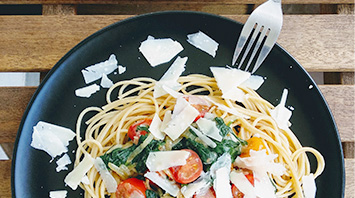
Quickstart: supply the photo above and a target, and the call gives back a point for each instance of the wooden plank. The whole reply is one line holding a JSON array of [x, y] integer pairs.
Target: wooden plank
[[14, 101], [5, 176], [340, 99], [36, 43], [55, 9], [169, 1]]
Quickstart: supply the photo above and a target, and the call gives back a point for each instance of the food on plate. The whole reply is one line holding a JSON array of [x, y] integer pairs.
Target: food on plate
[[189, 141]]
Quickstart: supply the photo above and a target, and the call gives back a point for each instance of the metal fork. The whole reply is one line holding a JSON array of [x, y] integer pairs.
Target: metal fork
[[264, 24]]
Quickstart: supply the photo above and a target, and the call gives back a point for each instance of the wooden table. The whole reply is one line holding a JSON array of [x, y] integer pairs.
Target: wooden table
[[37, 33]]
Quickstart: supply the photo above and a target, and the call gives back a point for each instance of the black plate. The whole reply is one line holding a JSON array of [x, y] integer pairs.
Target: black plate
[[34, 176]]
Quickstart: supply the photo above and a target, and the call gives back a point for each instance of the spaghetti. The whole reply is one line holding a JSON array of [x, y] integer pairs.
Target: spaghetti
[[107, 130]]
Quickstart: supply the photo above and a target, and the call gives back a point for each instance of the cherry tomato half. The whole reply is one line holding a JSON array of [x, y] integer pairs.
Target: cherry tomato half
[[131, 187], [210, 193], [190, 171], [203, 109], [133, 132], [235, 191]]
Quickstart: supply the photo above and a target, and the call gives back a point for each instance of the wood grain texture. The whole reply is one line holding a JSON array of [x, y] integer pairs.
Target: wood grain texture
[[55, 9], [167, 1], [340, 99], [14, 101], [36, 43]]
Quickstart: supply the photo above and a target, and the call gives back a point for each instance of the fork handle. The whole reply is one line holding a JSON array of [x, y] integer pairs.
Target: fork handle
[[276, 1]]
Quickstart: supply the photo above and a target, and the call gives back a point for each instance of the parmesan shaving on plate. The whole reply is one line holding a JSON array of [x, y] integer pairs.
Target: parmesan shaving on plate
[[105, 81], [121, 69], [106, 176], [203, 137], [95, 72], [170, 77], [209, 128], [281, 114], [203, 42], [51, 138], [87, 91], [263, 186], [63, 162], [229, 79], [221, 184], [159, 51], [169, 186], [58, 194], [183, 116], [155, 128], [161, 160], [195, 187], [261, 163], [309, 186], [74, 178], [242, 183]]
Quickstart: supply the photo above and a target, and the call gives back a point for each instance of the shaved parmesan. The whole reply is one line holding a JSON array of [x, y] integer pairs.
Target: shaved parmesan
[[221, 184], [170, 77], [85, 180], [106, 176], [204, 138], [87, 91], [169, 186], [227, 109], [105, 81], [195, 187], [263, 186], [155, 126], [309, 186], [51, 138], [209, 128], [254, 82], [161, 160], [58, 194], [261, 163], [222, 161], [74, 178], [95, 72], [203, 42], [159, 51], [280, 113], [181, 120], [166, 120], [242, 183], [121, 69], [63, 162], [228, 80]]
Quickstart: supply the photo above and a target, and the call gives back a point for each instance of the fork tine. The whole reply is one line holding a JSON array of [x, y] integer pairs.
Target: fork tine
[[247, 29], [257, 46], [269, 43], [250, 44]]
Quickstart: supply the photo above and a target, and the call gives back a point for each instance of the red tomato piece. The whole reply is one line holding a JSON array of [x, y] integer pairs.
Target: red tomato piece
[[203, 109], [133, 133], [190, 171], [235, 191], [131, 187], [210, 193]]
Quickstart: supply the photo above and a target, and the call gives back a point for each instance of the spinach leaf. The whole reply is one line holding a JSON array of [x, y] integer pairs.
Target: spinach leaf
[[223, 128], [141, 158], [151, 194], [118, 156], [228, 146]]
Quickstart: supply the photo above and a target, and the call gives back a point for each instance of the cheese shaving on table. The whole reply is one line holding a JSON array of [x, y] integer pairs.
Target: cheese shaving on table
[[51, 138], [203, 42], [170, 77], [161, 160], [74, 178], [95, 72], [159, 51]]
